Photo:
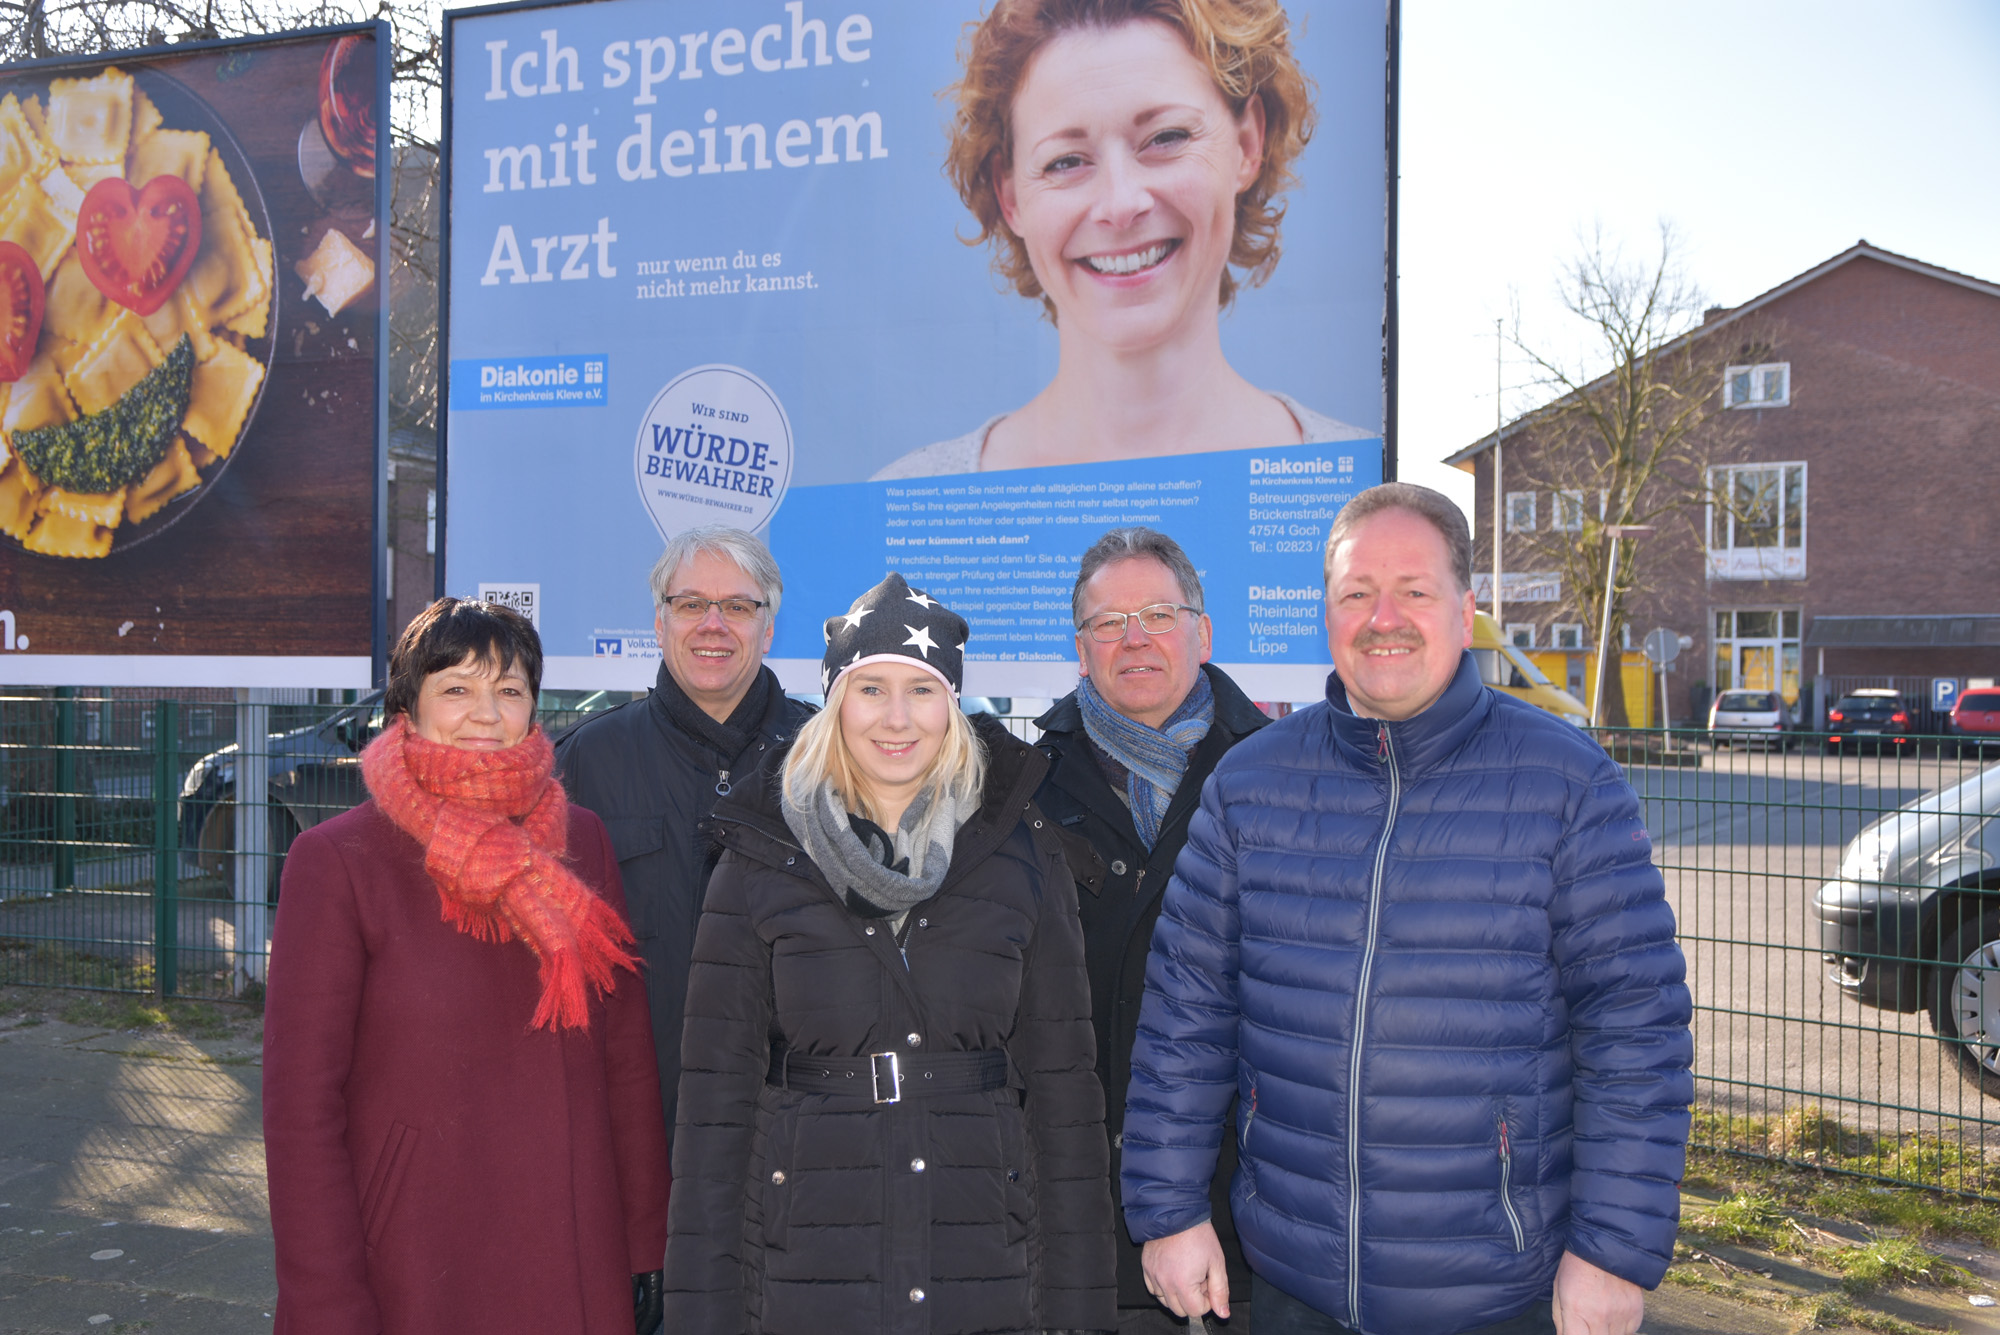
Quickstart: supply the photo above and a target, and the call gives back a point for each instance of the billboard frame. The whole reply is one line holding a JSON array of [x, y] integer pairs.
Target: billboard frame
[[1392, 57], [219, 670]]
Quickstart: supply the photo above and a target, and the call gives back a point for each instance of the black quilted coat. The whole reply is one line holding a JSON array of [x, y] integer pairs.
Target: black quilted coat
[[813, 1214]]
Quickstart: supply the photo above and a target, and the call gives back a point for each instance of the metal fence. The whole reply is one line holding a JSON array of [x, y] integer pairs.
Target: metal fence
[[133, 858]]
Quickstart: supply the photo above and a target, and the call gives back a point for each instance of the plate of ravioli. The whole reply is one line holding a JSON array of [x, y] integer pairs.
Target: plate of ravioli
[[136, 307]]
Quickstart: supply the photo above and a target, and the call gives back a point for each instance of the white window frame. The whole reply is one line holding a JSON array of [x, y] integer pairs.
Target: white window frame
[[1521, 634], [1754, 384], [1566, 511], [1566, 630], [1727, 560], [1514, 524]]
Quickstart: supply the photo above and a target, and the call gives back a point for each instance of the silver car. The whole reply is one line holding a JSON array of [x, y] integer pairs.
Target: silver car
[[1746, 717], [1912, 920]]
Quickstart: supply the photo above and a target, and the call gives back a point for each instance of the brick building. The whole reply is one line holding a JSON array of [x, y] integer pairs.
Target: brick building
[[1863, 546]]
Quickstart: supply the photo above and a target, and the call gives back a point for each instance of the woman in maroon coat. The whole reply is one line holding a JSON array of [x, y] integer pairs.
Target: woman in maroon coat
[[461, 1107]]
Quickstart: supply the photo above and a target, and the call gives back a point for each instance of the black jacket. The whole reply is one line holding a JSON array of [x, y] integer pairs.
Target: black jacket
[[797, 1213], [652, 783], [1120, 886]]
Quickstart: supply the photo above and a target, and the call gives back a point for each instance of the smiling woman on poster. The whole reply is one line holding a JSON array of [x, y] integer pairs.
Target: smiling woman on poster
[[1121, 177]]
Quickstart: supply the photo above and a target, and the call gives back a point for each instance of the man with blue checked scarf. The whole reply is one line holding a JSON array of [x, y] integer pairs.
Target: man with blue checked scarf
[[1129, 749]]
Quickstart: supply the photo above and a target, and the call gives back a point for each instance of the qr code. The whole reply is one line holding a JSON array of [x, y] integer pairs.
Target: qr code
[[523, 598]]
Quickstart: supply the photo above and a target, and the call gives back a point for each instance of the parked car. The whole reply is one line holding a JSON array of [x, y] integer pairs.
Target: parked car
[[1874, 713], [1507, 670], [1912, 919], [1748, 716], [314, 775], [1975, 720]]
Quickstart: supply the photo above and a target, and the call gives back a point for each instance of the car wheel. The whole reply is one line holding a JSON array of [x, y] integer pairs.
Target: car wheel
[[281, 828], [1831, 747], [1965, 998]]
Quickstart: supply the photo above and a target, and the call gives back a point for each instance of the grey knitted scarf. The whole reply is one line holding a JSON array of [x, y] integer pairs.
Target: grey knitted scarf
[[922, 843]]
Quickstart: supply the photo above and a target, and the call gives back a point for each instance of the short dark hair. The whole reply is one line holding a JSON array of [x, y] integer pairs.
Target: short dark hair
[[1436, 507], [1123, 544], [452, 630]]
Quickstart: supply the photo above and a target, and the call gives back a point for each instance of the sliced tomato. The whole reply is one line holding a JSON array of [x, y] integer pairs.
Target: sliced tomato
[[137, 245], [22, 299]]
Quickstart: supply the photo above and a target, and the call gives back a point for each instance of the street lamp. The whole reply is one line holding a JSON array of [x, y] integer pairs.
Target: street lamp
[[1617, 531]]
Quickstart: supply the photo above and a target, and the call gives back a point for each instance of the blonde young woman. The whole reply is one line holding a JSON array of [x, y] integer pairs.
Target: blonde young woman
[[889, 1114]]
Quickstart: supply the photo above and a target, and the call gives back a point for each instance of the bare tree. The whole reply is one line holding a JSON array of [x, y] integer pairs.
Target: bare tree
[[32, 29], [1634, 421]]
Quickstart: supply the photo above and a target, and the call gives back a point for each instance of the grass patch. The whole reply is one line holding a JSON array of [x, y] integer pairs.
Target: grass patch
[[189, 1019], [1810, 1137], [108, 1010], [1891, 1262], [1751, 1217]]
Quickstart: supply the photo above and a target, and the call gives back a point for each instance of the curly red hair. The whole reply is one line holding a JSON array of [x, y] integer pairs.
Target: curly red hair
[[1246, 46]]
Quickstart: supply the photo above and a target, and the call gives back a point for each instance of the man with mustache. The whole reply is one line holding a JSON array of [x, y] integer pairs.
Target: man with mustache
[[1418, 932], [1128, 752], [653, 769]]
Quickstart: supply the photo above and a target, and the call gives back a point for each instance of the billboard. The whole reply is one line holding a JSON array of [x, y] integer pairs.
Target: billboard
[[848, 273], [191, 447]]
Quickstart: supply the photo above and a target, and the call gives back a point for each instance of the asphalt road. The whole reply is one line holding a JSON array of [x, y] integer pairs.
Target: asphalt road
[[1744, 842]]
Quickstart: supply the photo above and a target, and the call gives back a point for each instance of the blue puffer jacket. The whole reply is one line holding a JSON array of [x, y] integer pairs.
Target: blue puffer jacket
[[1435, 960]]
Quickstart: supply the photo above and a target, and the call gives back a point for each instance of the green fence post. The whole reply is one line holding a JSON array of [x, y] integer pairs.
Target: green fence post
[[65, 850], [166, 847]]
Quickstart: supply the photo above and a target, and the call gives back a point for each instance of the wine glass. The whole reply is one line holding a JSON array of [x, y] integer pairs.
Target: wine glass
[[337, 147]]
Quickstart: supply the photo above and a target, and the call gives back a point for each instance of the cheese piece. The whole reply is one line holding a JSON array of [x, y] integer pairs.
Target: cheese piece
[[224, 388], [64, 535], [116, 360], [336, 272], [90, 120]]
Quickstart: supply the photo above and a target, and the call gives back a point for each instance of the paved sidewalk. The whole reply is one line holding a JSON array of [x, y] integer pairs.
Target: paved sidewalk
[[131, 1182], [132, 1192]]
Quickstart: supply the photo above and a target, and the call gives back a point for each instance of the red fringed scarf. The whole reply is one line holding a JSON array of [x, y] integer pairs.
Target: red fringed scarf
[[494, 825]]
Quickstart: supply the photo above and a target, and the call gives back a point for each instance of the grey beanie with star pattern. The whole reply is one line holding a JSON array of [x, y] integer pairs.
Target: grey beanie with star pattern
[[893, 622]]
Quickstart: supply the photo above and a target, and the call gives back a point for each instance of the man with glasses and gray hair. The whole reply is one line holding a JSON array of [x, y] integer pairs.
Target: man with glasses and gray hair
[[654, 769], [1129, 749]]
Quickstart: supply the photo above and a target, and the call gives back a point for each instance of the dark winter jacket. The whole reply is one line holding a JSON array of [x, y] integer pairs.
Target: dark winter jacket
[[652, 783], [816, 1213], [1435, 961], [1119, 886]]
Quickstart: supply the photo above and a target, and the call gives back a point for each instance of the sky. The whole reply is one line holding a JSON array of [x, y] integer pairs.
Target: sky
[[1770, 134]]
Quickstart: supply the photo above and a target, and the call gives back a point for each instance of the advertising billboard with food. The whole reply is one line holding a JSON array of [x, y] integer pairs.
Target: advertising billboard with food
[[939, 286], [191, 391]]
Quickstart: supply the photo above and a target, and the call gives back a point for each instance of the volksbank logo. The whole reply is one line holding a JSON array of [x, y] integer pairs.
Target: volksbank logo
[[571, 380]]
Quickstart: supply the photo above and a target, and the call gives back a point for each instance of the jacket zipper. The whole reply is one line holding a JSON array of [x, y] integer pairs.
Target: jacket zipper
[[1385, 751], [1506, 1186]]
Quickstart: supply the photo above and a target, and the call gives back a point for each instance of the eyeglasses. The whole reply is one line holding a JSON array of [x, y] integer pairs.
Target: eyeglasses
[[1158, 619], [689, 607]]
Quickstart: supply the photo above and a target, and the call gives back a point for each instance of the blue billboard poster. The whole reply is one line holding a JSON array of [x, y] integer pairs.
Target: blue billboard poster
[[936, 286]]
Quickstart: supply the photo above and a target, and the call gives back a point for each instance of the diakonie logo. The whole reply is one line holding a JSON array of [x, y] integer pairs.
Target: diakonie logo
[[715, 447]]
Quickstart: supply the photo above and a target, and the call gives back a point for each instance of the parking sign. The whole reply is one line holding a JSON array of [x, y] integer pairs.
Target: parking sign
[[1944, 693]]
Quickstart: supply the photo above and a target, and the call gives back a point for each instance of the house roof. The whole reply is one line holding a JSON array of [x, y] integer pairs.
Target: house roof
[[1860, 250]]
